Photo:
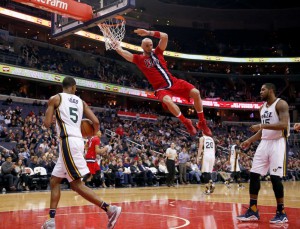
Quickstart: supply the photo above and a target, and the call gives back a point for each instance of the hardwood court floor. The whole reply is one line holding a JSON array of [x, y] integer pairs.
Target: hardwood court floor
[[184, 206]]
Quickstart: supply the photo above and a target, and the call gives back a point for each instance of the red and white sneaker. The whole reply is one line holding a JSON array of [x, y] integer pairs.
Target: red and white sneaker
[[203, 126], [189, 125]]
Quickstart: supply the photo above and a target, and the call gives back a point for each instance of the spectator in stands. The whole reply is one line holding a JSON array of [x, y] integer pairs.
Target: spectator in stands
[[4, 132], [44, 146], [21, 174], [18, 111], [24, 152], [7, 169], [146, 174], [103, 169], [106, 173], [154, 67], [2, 160], [195, 171], [2, 117], [183, 158], [42, 161], [10, 137], [120, 130], [51, 162], [8, 101], [136, 173], [162, 166], [33, 162], [7, 120], [111, 174]]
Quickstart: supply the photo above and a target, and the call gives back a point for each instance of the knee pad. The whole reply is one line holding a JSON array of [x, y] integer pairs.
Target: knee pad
[[277, 186], [254, 183]]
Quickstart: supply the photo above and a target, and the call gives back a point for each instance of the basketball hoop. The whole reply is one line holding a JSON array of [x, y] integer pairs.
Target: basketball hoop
[[113, 30]]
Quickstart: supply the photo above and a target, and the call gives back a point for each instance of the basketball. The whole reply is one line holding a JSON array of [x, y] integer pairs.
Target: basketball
[[87, 129]]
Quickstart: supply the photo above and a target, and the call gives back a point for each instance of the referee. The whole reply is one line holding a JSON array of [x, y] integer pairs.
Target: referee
[[171, 156]]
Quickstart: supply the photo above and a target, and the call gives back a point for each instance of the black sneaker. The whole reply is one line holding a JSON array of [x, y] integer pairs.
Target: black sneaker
[[250, 215]]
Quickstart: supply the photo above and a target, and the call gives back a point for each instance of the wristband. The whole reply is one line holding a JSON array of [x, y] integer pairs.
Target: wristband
[[156, 34]]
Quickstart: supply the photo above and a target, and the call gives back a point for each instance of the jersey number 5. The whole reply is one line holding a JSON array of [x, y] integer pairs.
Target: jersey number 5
[[73, 114]]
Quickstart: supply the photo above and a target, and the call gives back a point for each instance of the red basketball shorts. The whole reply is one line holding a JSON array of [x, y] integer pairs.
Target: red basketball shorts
[[180, 88], [93, 167]]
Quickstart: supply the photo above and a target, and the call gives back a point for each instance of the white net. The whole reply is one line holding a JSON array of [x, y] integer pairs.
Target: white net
[[113, 30]]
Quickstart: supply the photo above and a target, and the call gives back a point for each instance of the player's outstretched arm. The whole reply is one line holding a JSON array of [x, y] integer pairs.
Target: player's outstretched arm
[[162, 36], [125, 54]]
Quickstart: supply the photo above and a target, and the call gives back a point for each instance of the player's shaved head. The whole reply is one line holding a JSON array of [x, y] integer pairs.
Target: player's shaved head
[[147, 45], [145, 40]]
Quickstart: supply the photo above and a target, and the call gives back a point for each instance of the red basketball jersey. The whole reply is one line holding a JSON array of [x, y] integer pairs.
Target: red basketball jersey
[[155, 69], [91, 153]]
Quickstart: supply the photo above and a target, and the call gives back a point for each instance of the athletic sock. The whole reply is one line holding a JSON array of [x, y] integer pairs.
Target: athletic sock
[[280, 208], [181, 117], [200, 115], [52, 213], [104, 206], [253, 204]]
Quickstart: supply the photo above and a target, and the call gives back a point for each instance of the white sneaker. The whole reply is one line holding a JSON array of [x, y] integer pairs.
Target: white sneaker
[[49, 224], [113, 214]]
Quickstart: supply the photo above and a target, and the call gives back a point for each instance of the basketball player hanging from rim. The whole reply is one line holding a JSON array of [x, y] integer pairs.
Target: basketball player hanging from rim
[[153, 65], [271, 152]]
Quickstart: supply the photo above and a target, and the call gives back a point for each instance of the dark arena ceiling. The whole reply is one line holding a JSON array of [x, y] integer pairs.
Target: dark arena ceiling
[[237, 4]]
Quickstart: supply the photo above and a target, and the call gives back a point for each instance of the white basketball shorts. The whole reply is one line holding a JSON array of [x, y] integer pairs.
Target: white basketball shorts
[[71, 163], [270, 155], [207, 164], [234, 166]]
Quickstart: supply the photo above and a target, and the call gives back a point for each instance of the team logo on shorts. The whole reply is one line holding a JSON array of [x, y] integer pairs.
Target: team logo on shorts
[[275, 170]]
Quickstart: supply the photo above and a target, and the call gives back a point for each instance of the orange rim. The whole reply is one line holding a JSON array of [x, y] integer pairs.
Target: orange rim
[[117, 17]]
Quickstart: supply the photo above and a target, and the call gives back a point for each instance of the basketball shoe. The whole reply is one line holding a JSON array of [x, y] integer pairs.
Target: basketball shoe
[[209, 188], [189, 125], [241, 186], [113, 214], [280, 217], [49, 224], [202, 125], [250, 215], [227, 184], [212, 188]]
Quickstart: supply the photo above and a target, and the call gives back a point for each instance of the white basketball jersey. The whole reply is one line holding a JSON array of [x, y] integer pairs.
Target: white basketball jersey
[[208, 146], [68, 116], [269, 115], [233, 154]]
